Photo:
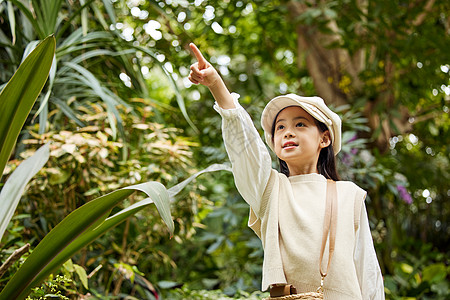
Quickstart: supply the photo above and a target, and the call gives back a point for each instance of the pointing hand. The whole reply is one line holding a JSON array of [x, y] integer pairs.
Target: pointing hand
[[202, 72]]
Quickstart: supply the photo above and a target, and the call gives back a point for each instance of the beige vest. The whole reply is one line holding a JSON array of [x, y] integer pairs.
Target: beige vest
[[290, 226]]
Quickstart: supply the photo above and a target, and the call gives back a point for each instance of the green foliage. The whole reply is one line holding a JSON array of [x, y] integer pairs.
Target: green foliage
[[421, 277], [257, 53], [16, 100], [77, 230], [153, 140], [92, 61], [13, 189], [51, 289], [18, 96], [112, 113], [87, 162]]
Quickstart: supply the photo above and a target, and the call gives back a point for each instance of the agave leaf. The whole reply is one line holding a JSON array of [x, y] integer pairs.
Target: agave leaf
[[76, 41], [158, 196], [158, 193], [71, 39], [15, 185], [19, 95], [73, 233], [100, 52], [86, 224], [173, 191]]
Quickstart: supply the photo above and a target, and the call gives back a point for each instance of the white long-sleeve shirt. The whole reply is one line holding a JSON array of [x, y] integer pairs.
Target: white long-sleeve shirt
[[287, 214]]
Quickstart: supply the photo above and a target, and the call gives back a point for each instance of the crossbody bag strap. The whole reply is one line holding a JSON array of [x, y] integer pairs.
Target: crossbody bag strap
[[329, 225], [329, 228]]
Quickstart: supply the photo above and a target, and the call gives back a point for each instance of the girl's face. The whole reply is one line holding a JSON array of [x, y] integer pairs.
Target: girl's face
[[298, 140]]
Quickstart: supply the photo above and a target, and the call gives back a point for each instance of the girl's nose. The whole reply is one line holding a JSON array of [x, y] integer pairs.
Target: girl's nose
[[289, 134]]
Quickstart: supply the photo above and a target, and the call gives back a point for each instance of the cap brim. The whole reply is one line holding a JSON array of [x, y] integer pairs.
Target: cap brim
[[311, 105]]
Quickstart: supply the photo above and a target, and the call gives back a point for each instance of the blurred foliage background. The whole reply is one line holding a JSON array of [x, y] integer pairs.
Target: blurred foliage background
[[119, 109]]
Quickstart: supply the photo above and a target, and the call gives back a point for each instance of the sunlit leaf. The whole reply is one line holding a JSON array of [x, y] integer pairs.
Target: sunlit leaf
[[173, 191], [15, 185], [434, 273], [19, 95], [81, 272]]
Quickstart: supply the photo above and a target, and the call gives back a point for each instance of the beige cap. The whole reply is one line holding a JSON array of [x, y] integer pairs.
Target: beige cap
[[315, 106]]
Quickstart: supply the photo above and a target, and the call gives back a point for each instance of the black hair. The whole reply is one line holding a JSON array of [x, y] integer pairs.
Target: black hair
[[326, 164]]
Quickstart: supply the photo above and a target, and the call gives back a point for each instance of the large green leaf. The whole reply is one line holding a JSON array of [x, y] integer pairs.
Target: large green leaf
[[16, 183], [74, 232], [158, 196], [86, 224], [19, 95], [173, 191]]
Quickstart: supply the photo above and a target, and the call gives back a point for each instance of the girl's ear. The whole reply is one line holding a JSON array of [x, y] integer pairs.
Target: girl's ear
[[326, 139]]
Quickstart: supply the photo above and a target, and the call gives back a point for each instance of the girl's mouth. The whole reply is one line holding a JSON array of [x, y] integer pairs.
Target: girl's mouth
[[289, 145]]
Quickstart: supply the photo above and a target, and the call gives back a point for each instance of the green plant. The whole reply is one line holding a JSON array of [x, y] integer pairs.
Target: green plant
[[16, 100], [51, 289], [419, 277], [78, 229], [18, 96], [90, 57], [83, 226]]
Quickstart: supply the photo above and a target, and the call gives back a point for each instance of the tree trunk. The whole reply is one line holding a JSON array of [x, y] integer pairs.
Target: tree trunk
[[335, 73]]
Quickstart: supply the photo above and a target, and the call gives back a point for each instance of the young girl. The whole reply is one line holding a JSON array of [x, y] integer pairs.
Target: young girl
[[287, 208]]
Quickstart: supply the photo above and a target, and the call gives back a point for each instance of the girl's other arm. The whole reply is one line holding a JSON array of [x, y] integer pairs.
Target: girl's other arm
[[366, 262], [202, 72]]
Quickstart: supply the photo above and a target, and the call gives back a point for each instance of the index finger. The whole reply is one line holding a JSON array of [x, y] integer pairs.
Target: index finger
[[201, 60]]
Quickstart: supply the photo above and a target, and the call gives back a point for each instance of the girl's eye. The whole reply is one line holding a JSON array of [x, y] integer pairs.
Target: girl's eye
[[279, 127], [300, 124]]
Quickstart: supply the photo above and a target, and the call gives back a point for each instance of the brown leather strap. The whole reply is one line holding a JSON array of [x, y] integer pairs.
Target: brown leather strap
[[279, 290], [329, 225], [329, 229]]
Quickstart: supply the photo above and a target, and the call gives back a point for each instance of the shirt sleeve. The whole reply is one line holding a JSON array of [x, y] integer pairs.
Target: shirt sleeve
[[366, 262], [250, 159]]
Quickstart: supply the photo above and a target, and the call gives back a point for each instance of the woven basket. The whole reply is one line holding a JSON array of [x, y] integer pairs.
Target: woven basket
[[301, 296]]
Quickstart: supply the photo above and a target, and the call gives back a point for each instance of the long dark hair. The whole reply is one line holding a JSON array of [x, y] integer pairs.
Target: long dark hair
[[326, 164]]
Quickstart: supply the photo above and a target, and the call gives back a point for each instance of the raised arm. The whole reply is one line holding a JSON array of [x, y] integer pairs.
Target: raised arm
[[202, 72], [248, 155]]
